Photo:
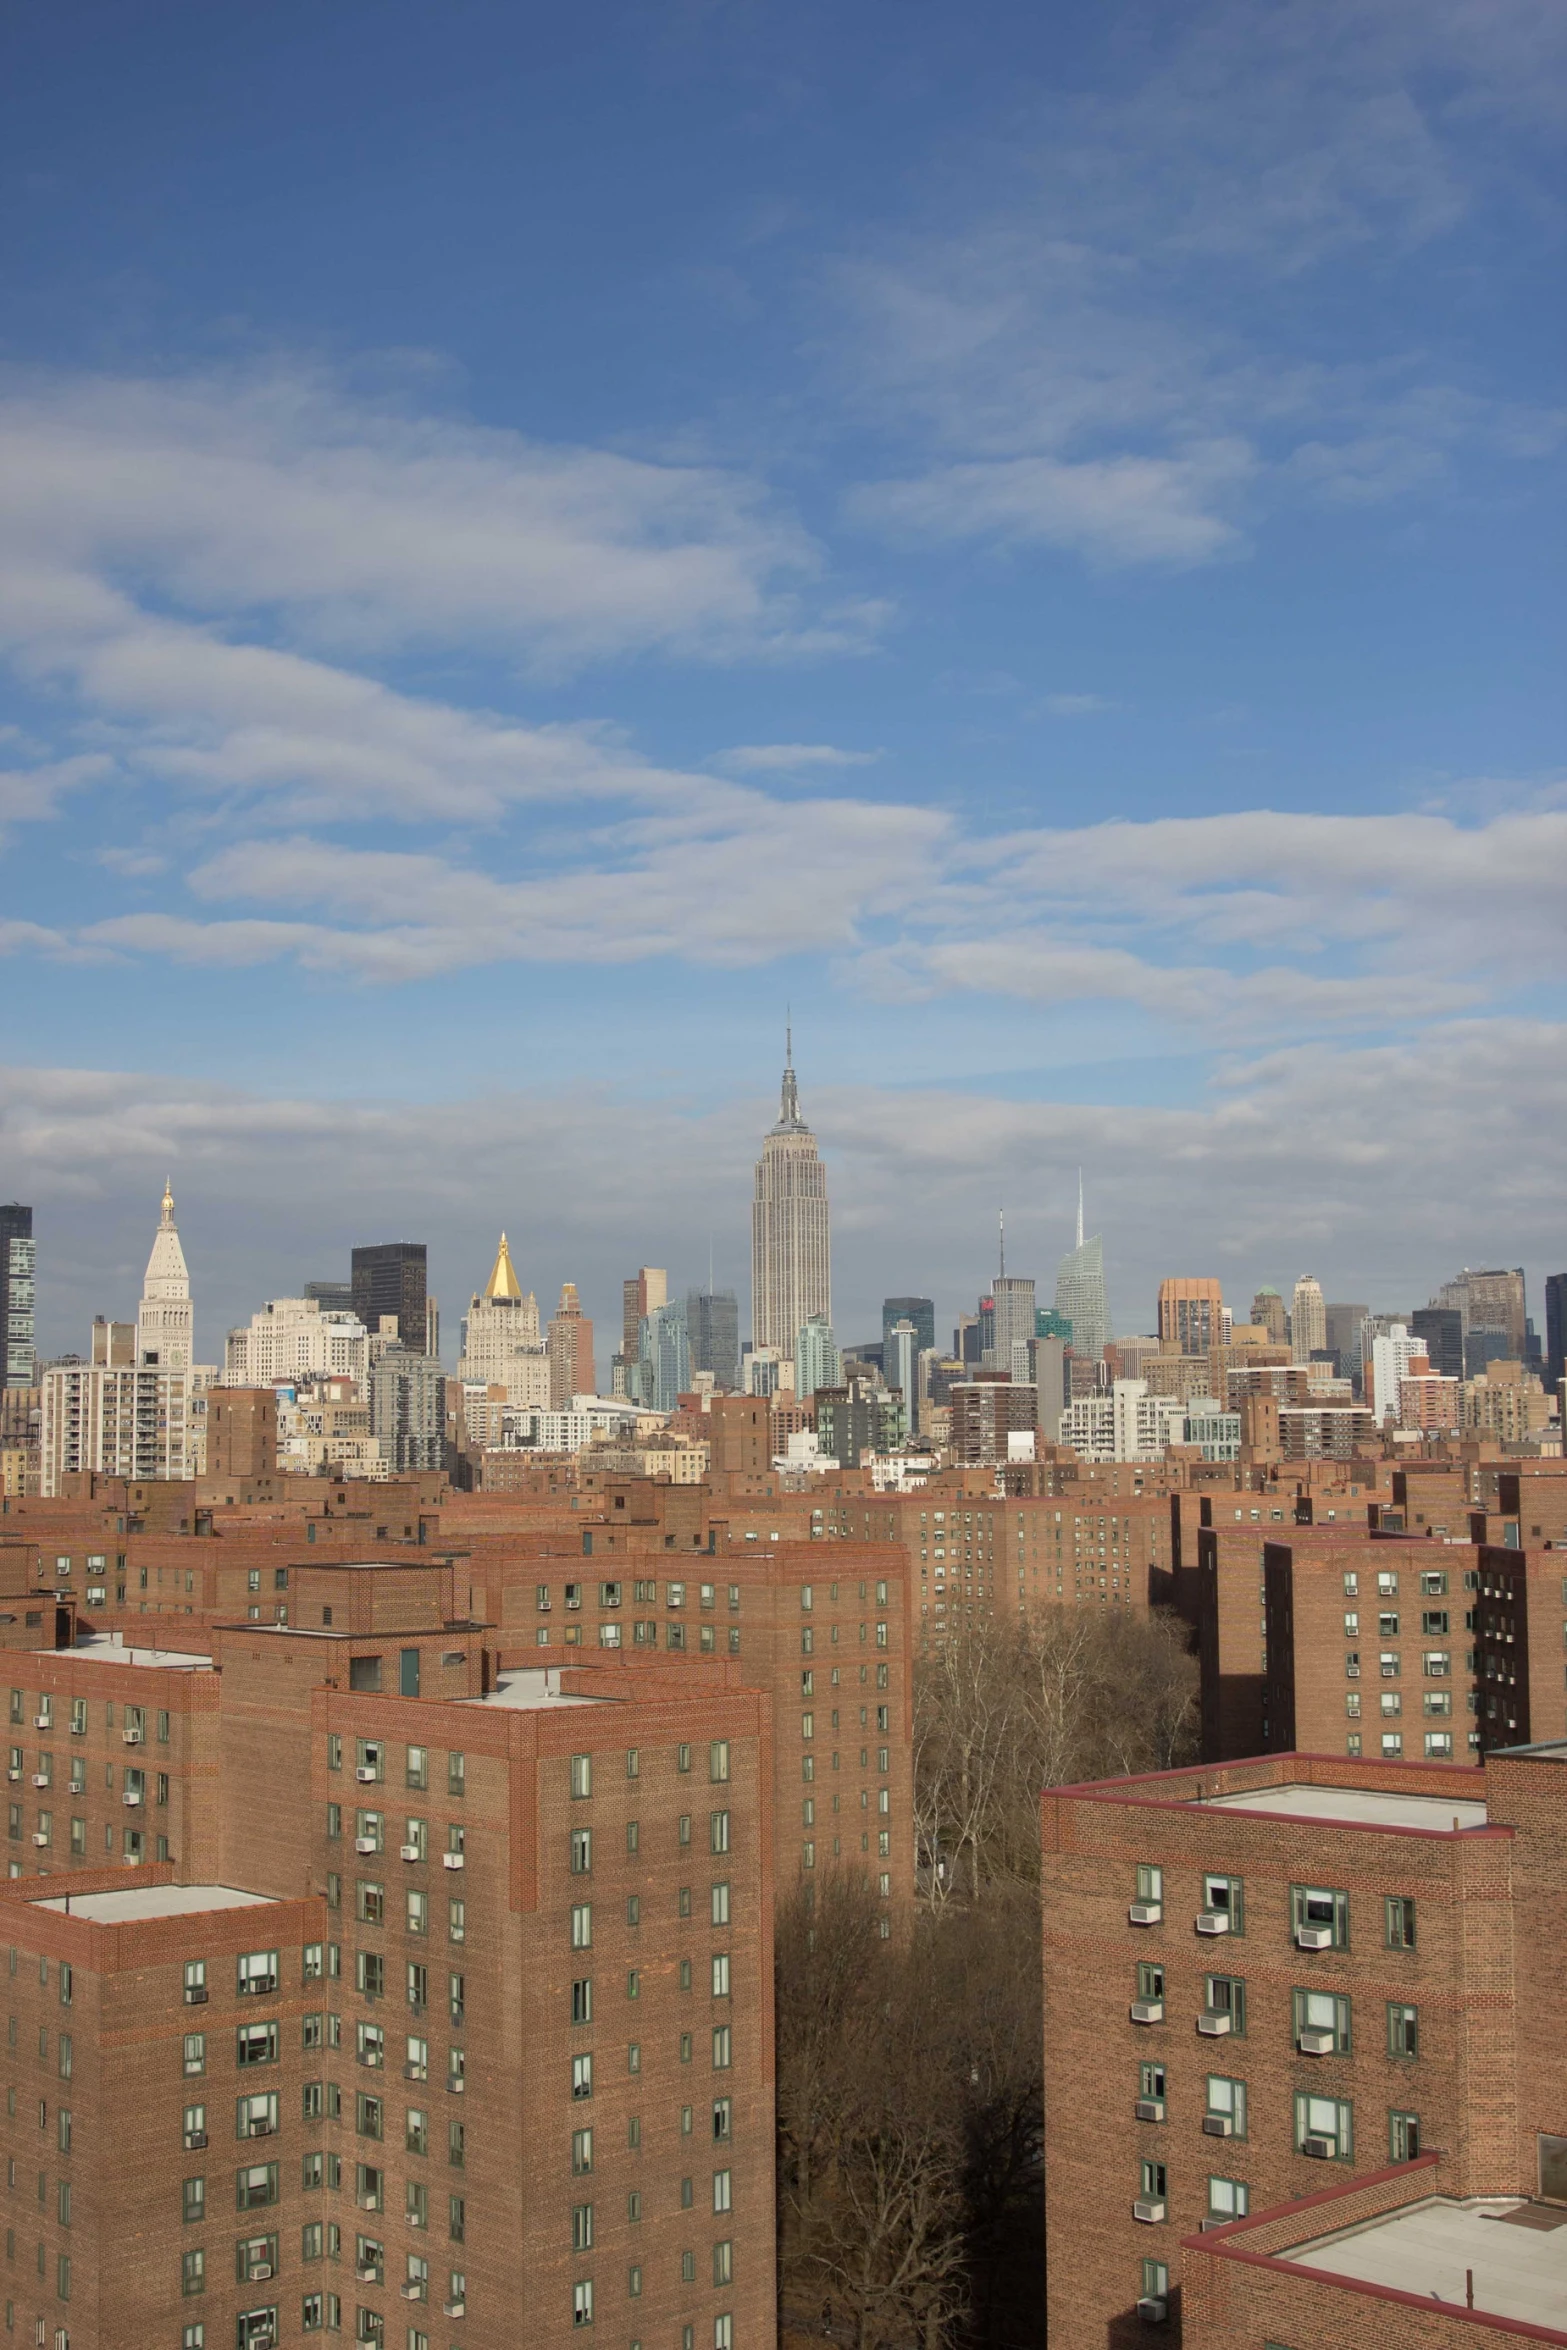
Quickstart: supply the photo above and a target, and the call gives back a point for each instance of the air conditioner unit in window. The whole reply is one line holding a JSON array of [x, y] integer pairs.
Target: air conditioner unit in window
[[1320, 2149], [1313, 2043], [1148, 2011], [42, 1722], [1218, 2125], [1314, 1937], [15, 1777], [366, 1844], [134, 1737], [367, 1774], [259, 2126], [1216, 2022], [259, 2276], [454, 2308], [131, 1796], [452, 1860], [195, 2140], [1153, 2310], [40, 1838], [1149, 2208], [1145, 1913], [367, 2272], [1149, 2109], [195, 1994], [1213, 1921], [410, 1851], [412, 2292], [40, 1779], [369, 2201]]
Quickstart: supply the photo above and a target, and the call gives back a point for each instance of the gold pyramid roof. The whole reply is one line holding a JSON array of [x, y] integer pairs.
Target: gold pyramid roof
[[503, 1282]]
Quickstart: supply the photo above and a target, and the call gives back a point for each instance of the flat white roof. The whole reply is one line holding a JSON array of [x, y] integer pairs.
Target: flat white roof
[[1517, 2252], [108, 1648], [1359, 1807], [532, 1688], [156, 1901]]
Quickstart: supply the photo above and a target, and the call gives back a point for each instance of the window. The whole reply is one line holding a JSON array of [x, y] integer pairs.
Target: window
[[193, 2273], [1150, 1882], [582, 2303], [720, 1903], [1315, 1913], [720, 1974], [1225, 1995], [1403, 2030], [1399, 1921], [582, 2076], [581, 1852], [581, 1775], [194, 2200], [456, 1774], [1156, 2280], [582, 2227], [1226, 2103], [722, 2048], [1228, 2199], [1322, 2023], [416, 1767], [195, 1982], [195, 2053], [722, 2120], [582, 1926], [1439, 1746], [582, 2000], [256, 2044], [581, 2153], [256, 2116], [718, 1762], [1150, 1980], [1154, 2180], [718, 1831], [256, 1972], [1403, 2136], [1225, 1897], [256, 2187], [1324, 2126]]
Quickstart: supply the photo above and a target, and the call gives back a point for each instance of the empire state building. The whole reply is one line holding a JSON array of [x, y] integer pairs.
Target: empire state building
[[791, 1243]]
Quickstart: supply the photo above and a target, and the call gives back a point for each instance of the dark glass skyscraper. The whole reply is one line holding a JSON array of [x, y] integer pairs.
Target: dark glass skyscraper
[[1555, 1327], [390, 1279], [713, 1328], [18, 1353]]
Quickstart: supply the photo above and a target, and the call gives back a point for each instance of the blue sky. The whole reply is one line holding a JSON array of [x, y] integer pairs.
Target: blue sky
[[532, 538]]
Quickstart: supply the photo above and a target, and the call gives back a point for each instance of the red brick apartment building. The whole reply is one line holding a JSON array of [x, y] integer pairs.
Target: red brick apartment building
[[432, 2009], [1370, 1647], [1303, 2031]]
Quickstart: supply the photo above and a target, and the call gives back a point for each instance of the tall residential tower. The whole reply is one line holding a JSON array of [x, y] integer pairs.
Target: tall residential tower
[[791, 1245]]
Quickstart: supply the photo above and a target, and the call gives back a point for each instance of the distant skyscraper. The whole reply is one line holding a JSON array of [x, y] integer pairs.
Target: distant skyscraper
[[664, 1358], [333, 1297], [163, 1319], [639, 1296], [713, 1321], [501, 1342], [1495, 1315], [570, 1343], [1555, 1327], [817, 1361], [1267, 1310], [18, 1273], [389, 1278], [1343, 1339], [1080, 1292], [1308, 1319], [921, 1311], [1013, 1308], [1441, 1330], [1191, 1307], [901, 1369], [791, 1243]]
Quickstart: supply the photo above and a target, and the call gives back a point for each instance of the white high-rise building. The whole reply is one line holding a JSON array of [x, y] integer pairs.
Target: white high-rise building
[[817, 1359], [292, 1339], [1308, 1319], [163, 1319], [1080, 1292], [502, 1344], [791, 1242]]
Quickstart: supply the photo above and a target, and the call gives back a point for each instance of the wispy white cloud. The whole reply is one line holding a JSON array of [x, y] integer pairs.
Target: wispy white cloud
[[788, 758]]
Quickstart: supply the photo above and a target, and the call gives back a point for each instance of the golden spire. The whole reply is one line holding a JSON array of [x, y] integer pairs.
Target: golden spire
[[503, 1282], [166, 1216]]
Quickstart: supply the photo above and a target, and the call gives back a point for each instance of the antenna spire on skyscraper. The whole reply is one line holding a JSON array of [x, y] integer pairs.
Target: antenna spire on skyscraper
[[1079, 1207], [1001, 1234]]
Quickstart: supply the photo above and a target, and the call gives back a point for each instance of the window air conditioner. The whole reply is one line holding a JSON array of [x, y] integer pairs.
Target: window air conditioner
[[1218, 2125], [195, 2140], [366, 1844], [259, 2276], [259, 2126], [1145, 1913], [1213, 1921], [1153, 2309], [452, 1860], [1149, 2109], [195, 1994], [410, 1851], [131, 1796], [1216, 2022], [1148, 2011], [367, 1774], [133, 1737], [1321, 2149], [1314, 1937], [1313, 2043], [412, 2291], [369, 2200], [42, 1722], [367, 2272], [454, 2308], [1148, 2209], [40, 1838], [14, 1777]]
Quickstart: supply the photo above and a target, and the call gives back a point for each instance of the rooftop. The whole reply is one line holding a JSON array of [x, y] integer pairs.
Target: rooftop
[[108, 1648], [531, 1689], [1515, 2251], [154, 1901], [1358, 1807]]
